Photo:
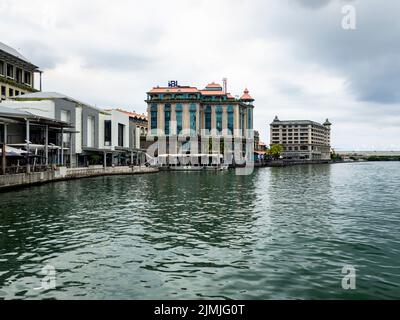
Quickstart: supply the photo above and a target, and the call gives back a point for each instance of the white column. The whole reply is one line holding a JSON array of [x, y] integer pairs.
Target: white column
[[46, 146], [62, 146], [28, 167]]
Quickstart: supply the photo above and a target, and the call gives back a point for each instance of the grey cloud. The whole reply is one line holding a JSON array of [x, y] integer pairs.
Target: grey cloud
[[313, 4], [114, 60], [39, 54], [367, 57]]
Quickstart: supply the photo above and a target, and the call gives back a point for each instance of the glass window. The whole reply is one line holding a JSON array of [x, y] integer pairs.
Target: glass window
[[167, 118], [219, 118], [107, 132], [121, 129], [66, 117], [10, 71], [153, 116], [18, 75], [27, 77], [208, 118], [178, 118], [2, 68], [230, 119], [250, 119]]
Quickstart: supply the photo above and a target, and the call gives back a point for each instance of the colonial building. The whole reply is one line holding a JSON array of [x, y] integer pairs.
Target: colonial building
[[187, 111], [16, 73], [302, 139]]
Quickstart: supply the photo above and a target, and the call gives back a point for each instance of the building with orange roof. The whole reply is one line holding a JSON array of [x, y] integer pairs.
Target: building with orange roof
[[189, 111]]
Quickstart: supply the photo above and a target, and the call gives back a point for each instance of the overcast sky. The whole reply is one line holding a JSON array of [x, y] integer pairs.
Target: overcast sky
[[293, 55]]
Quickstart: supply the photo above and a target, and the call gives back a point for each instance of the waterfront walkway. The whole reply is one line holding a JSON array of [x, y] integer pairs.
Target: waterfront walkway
[[25, 179]]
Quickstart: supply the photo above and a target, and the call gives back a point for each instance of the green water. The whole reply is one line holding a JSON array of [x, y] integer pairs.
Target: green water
[[282, 233]]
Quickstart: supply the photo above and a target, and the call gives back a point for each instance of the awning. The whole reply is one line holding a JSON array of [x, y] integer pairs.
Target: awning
[[260, 152], [13, 152]]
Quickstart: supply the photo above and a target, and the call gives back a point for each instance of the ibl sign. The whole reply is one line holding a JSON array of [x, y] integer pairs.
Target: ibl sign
[[173, 83]]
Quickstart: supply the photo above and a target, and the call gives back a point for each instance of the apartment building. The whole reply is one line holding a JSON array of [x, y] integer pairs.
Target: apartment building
[[302, 139], [17, 73]]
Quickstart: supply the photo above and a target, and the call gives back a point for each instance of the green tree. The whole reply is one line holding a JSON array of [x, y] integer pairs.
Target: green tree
[[275, 151]]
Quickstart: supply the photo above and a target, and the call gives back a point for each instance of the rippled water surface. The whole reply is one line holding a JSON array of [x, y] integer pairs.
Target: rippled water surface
[[280, 233]]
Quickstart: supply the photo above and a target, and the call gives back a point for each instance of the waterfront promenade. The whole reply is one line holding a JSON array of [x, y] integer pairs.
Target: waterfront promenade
[[25, 179]]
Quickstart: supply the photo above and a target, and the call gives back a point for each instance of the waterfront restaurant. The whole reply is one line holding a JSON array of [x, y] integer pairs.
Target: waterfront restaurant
[[29, 142], [183, 112]]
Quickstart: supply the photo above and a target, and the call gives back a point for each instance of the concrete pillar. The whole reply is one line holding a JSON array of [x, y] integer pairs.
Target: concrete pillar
[[70, 149], [46, 144], [213, 118], [105, 159], [3, 156], [5, 133], [28, 166], [62, 146]]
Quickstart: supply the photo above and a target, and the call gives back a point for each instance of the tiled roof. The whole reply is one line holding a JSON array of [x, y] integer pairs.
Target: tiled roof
[[246, 95], [134, 114], [174, 90], [213, 85], [213, 92]]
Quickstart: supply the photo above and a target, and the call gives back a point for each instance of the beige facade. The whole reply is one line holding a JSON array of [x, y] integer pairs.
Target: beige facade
[[302, 139]]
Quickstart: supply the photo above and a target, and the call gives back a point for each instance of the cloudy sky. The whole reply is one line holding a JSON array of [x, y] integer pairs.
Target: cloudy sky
[[293, 55]]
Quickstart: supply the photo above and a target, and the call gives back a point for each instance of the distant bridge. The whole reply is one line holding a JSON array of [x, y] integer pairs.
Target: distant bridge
[[368, 153]]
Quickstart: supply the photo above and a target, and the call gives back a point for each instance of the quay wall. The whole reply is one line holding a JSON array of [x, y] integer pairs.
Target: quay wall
[[24, 179]]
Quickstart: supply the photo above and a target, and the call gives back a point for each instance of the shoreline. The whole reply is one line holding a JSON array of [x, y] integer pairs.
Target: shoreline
[[11, 182]]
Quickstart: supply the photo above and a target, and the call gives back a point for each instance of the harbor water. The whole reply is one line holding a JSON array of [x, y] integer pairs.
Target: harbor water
[[280, 233]]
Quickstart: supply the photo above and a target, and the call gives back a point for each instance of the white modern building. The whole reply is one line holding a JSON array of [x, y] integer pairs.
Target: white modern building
[[97, 136]]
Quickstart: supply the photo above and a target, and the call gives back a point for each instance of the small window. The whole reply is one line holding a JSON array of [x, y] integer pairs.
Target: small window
[[27, 78], [18, 75], [10, 92], [16, 93], [121, 130], [107, 133], [10, 71], [3, 91], [2, 68]]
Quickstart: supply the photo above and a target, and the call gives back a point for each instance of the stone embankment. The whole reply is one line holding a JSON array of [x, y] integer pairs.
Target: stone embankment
[[62, 173]]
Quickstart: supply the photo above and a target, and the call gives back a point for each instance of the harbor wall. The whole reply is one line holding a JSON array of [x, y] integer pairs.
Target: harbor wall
[[62, 173]]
